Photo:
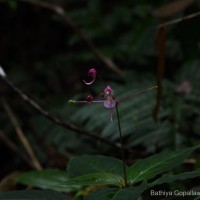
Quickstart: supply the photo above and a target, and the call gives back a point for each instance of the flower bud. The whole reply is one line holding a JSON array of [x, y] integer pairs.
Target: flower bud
[[108, 90], [92, 72], [89, 99]]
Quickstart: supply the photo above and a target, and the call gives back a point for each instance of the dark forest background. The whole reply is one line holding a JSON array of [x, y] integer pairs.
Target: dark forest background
[[47, 53]]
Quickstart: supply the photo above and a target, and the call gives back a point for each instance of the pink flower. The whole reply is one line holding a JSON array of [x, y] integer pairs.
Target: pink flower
[[107, 97], [110, 101], [92, 73]]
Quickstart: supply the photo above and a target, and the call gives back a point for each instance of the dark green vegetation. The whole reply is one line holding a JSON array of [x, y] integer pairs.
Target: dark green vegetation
[[47, 53]]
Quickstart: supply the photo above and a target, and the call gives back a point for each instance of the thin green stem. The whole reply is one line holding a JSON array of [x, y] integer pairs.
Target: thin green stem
[[122, 146]]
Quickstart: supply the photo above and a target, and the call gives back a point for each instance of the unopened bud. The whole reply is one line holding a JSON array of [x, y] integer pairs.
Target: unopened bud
[[92, 72], [89, 99], [108, 90]]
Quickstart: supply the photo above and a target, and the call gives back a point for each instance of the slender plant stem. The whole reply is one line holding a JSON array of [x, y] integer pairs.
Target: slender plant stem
[[122, 146], [187, 17], [70, 22], [21, 135]]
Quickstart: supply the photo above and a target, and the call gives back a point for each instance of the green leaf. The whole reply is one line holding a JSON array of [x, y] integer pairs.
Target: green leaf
[[33, 195], [52, 179], [98, 178], [105, 194], [150, 167], [168, 178], [117, 194], [89, 164]]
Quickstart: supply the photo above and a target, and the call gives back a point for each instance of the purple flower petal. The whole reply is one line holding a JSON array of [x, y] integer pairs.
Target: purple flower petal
[[109, 103]]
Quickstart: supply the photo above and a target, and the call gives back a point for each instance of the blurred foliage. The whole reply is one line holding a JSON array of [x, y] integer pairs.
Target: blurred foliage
[[48, 61]]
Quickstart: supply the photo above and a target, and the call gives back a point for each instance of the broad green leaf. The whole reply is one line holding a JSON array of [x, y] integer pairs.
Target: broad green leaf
[[88, 164], [52, 179], [97, 178], [117, 194], [105, 194], [33, 195], [168, 178], [150, 167]]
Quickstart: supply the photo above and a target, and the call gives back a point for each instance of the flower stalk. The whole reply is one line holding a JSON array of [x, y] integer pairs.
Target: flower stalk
[[122, 145]]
